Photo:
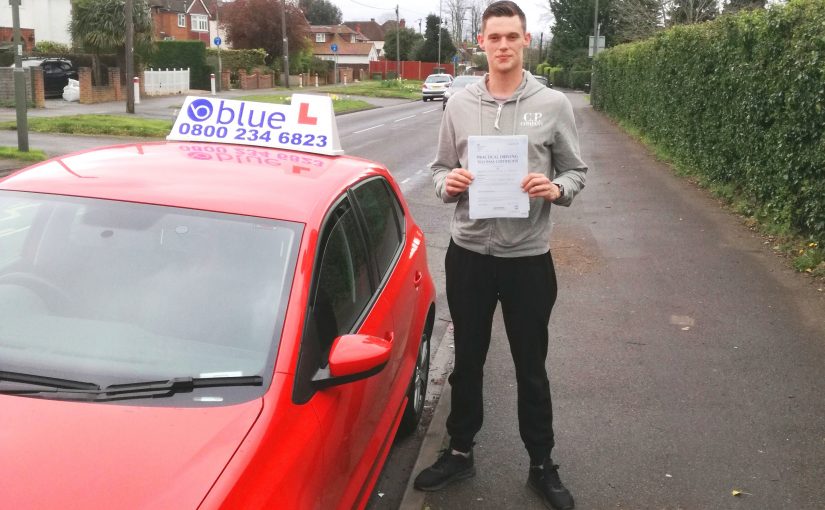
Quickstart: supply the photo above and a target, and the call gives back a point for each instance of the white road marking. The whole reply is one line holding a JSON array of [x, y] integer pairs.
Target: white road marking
[[369, 128], [433, 110], [404, 118]]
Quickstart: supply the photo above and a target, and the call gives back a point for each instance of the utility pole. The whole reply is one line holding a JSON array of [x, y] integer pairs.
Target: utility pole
[[397, 43], [20, 100], [130, 58], [595, 47], [286, 45], [439, 35], [218, 34]]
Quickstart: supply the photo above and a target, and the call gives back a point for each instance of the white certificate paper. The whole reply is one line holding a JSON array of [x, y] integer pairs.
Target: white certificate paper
[[498, 164]]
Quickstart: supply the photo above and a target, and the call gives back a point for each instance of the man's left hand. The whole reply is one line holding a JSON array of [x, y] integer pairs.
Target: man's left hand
[[539, 185]]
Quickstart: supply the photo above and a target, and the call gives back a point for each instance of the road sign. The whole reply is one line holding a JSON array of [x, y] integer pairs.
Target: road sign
[[217, 41], [334, 48], [455, 59]]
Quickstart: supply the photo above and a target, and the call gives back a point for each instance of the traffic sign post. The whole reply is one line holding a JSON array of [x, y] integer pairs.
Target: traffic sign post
[[218, 42], [334, 48]]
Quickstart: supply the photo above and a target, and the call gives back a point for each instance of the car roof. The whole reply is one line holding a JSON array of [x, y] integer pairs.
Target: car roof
[[254, 181]]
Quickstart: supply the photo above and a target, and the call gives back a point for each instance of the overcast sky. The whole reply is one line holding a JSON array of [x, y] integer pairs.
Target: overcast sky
[[413, 10]]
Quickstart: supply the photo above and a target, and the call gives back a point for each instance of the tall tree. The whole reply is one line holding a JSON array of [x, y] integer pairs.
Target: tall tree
[[409, 40], [321, 12], [692, 11], [573, 25], [631, 20], [254, 24], [456, 10], [732, 6], [99, 26], [428, 52]]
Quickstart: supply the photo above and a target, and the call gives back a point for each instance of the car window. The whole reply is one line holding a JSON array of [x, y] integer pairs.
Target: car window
[[382, 213], [437, 79], [343, 286]]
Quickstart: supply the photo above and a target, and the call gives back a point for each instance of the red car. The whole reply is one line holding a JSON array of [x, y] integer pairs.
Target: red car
[[198, 325]]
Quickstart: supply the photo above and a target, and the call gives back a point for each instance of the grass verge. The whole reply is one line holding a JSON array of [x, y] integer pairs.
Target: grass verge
[[100, 125], [403, 89], [13, 153], [340, 105], [805, 255]]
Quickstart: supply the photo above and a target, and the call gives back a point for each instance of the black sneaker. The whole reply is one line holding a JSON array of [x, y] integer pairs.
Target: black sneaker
[[547, 484], [447, 469]]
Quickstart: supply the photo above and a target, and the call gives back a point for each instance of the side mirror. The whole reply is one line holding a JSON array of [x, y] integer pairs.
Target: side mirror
[[352, 358]]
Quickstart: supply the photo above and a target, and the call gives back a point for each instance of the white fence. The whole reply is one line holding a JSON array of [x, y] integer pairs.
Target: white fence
[[161, 82]]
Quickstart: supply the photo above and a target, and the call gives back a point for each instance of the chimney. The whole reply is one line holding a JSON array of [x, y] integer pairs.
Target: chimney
[[403, 23], [358, 28], [372, 20]]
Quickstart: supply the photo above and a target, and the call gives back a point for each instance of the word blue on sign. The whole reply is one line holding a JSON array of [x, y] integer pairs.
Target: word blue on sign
[[307, 124]]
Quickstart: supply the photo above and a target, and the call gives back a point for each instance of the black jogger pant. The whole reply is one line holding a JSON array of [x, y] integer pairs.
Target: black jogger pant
[[526, 287]]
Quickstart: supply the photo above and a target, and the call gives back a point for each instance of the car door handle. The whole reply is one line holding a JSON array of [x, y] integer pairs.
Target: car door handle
[[418, 278]]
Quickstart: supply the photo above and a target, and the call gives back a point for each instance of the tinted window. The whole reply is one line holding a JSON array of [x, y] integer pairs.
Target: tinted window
[[438, 79], [343, 288], [381, 212]]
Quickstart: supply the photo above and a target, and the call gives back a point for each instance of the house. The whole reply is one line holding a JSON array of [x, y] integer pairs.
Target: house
[[182, 20], [371, 31], [40, 20], [353, 50]]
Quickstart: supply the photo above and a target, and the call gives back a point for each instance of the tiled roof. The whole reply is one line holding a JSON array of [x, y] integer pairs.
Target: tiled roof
[[330, 29], [344, 48], [370, 29]]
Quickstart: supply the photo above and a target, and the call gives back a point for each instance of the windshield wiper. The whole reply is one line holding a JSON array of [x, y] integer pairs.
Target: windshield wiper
[[78, 390], [42, 380], [176, 385]]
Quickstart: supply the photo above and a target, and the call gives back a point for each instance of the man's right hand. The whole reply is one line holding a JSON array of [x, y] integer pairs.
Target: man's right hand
[[457, 182]]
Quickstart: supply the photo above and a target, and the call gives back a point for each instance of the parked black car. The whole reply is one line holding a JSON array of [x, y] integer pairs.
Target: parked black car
[[56, 73]]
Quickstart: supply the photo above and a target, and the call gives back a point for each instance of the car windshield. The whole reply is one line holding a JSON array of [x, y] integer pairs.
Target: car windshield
[[111, 292], [462, 81], [435, 78]]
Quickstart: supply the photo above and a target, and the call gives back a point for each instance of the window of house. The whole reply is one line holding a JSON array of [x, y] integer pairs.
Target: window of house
[[182, 20], [200, 23], [352, 38], [321, 37]]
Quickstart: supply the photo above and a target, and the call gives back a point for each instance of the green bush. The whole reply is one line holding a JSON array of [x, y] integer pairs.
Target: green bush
[[232, 60], [182, 55], [740, 100]]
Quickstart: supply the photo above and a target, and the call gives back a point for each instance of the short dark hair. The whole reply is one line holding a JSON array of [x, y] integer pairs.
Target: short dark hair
[[503, 9]]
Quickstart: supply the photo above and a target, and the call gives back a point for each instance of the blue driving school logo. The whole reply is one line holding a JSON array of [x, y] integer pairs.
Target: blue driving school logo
[[307, 124], [200, 110]]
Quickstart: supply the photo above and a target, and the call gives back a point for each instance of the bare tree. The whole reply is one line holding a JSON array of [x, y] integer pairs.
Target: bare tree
[[634, 19], [455, 13]]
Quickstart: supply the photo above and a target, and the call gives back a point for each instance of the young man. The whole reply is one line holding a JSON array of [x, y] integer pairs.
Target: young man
[[504, 259]]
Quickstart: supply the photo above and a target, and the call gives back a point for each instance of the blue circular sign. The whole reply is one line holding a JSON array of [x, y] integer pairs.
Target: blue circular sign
[[217, 41], [334, 47]]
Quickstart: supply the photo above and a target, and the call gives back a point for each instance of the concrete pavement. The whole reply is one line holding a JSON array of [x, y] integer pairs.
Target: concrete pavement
[[685, 360]]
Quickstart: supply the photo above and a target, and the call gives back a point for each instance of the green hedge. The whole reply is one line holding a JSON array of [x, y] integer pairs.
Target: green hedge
[[233, 60], [182, 55], [740, 100]]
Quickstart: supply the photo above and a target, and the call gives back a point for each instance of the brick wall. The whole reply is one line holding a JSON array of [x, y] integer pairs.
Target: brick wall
[[90, 94], [7, 86], [255, 80], [7, 34]]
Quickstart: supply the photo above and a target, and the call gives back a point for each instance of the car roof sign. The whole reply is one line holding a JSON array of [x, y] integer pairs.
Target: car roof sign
[[306, 125]]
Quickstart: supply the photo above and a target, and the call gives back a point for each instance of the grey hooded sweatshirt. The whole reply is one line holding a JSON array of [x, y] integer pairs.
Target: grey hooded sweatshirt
[[546, 117]]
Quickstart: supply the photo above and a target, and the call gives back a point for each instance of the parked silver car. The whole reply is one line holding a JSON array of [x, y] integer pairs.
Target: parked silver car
[[435, 85]]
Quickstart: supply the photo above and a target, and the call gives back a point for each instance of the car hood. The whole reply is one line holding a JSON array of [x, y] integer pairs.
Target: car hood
[[81, 455]]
